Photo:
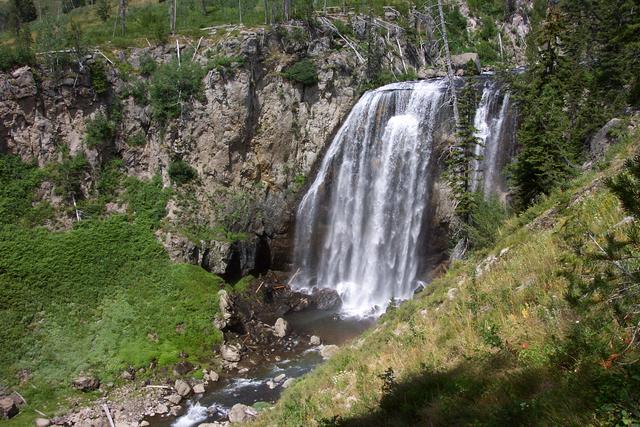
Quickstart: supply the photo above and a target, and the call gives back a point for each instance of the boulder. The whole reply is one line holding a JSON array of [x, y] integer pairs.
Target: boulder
[[280, 378], [86, 383], [240, 413], [326, 299], [182, 368], [8, 408], [211, 376], [288, 382], [230, 353], [460, 62], [42, 422], [198, 388], [327, 351], [599, 142], [315, 340], [162, 409], [174, 398], [281, 328], [182, 388]]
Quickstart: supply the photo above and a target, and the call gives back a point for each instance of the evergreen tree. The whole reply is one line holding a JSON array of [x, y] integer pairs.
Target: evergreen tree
[[26, 10]]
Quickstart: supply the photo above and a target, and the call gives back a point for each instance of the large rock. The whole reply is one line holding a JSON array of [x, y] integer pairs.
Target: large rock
[[240, 413], [86, 383], [281, 328], [198, 388], [326, 299], [174, 398], [42, 422], [231, 352], [327, 351], [8, 408], [182, 388], [602, 140], [461, 62], [315, 340]]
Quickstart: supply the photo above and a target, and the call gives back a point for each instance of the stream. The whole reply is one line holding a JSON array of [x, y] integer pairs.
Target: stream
[[252, 386]]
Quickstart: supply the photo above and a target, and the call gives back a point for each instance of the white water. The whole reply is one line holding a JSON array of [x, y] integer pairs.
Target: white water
[[196, 414], [358, 227], [490, 131]]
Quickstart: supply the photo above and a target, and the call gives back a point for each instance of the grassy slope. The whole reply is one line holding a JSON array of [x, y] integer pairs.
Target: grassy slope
[[509, 348], [95, 299]]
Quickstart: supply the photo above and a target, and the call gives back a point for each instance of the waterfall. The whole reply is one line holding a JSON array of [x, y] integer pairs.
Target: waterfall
[[493, 136], [358, 226], [363, 226]]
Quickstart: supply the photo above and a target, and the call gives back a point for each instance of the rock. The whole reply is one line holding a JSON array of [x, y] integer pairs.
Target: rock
[[182, 368], [216, 424], [198, 388], [85, 383], [226, 309], [243, 370], [315, 340], [42, 422], [174, 398], [281, 328], [461, 61], [240, 413], [280, 378], [599, 142], [144, 424], [182, 388], [128, 375], [230, 353], [8, 408], [161, 408], [327, 351], [271, 384], [212, 376], [451, 293], [288, 382], [326, 299], [175, 410]]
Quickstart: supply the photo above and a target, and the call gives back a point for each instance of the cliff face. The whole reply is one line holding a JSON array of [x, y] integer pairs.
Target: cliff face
[[252, 138]]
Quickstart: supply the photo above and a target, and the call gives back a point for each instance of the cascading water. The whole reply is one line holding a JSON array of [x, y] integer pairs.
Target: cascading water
[[494, 130], [360, 229], [358, 226]]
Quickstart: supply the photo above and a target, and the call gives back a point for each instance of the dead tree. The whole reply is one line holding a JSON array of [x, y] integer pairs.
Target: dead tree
[[123, 16], [452, 89]]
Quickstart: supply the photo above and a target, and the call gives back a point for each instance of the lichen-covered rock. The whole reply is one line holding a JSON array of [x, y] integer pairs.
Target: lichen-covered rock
[[240, 413]]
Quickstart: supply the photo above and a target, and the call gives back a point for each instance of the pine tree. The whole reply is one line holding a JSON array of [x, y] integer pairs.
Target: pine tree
[[26, 10]]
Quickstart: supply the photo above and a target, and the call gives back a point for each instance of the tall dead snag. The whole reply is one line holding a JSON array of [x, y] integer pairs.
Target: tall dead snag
[[123, 16], [452, 89]]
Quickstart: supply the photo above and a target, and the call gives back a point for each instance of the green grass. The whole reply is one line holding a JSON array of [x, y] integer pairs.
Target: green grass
[[512, 348], [97, 298]]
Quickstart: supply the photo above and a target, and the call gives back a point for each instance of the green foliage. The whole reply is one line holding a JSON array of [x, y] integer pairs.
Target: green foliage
[[224, 62], [68, 175], [26, 10], [138, 139], [156, 23], [99, 131], [303, 71], [484, 221], [181, 172], [18, 182], [99, 79], [172, 86], [146, 199], [139, 91], [19, 55], [147, 65], [103, 9]]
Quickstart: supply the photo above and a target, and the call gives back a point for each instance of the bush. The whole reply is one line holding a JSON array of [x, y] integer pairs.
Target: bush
[[172, 85], [303, 71], [181, 172], [147, 65], [99, 79], [18, 181], [156, 24], [99, 131], [19, 55], [137, 139], [484, 221], [146, 199], [68, 175], [103, 10]]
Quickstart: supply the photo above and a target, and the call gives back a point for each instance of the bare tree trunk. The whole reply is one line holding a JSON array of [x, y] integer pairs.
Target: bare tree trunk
[[174, 12], [454, 98], [266, 12], [203, 7], [240, 11], [123, 16], [286, 5]]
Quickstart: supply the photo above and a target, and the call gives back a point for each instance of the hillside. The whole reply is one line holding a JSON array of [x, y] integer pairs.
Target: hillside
[[516, 335]]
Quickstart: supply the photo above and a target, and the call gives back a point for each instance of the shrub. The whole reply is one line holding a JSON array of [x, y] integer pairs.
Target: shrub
[[68, 175], [223, 62], [303, 71], [103, 9], [484, 221], [172, 85], [137, 139], [147, 65], [18, 180], [99, 130], [155, 23], [181, 172], [99, 79], [146, 199], [19, 55], [138, 91]]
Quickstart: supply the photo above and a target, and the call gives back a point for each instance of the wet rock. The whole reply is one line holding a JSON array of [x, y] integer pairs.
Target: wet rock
[[174, 398], [281, 328], [182, 388], [288, 383], [216, 424], [280, 378], [175, 410], [326, 299], [315, 340], [198, 388], [86, 383], [240, 413], [211, 376], [231, 353], [271, 384], [144, 424], [8, 408], [327, 351]]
